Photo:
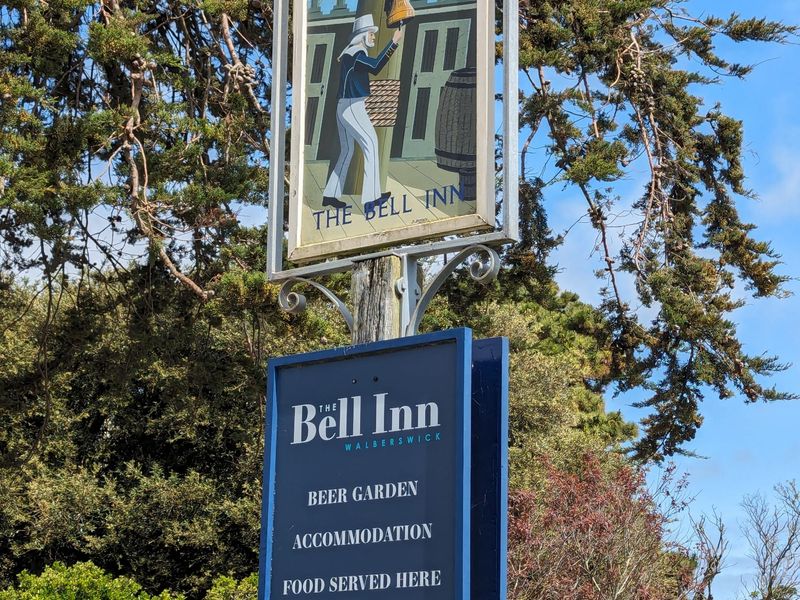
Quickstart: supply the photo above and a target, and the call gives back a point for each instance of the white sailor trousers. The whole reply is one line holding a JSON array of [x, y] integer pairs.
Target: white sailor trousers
[[355, 128]]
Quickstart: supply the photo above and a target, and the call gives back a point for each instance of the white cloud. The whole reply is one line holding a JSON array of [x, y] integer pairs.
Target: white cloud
[[780, 198]]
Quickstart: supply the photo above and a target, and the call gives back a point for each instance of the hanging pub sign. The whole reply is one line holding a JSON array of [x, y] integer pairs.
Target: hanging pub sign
[[392, 123], [367, 472]]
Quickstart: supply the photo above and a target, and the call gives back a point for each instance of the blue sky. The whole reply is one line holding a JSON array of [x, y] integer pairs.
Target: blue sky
[[749, 448]]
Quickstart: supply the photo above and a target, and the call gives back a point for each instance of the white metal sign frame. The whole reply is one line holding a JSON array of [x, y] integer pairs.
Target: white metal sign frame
[[508, 230]]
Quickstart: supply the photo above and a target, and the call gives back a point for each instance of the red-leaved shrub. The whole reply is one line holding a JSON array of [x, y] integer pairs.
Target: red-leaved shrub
[[594, 535]]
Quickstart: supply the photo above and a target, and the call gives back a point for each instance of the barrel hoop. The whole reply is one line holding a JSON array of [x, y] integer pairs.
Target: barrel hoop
[[455, 155], [460, 86]]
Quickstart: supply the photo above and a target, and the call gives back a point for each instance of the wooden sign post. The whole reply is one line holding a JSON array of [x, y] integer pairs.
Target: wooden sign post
[[376, 304]]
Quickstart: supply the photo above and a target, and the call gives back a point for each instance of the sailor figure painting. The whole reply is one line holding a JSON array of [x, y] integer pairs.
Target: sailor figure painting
[[353, 122], [392, 123]]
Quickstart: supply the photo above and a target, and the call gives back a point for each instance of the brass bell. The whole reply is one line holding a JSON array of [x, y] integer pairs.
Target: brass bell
[[398, 12]]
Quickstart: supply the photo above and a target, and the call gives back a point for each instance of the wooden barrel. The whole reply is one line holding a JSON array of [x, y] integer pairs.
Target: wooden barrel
[[456, 135]]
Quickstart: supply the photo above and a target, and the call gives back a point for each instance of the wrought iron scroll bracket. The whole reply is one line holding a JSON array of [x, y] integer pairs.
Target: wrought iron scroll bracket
[[295, 302], [483, 269]]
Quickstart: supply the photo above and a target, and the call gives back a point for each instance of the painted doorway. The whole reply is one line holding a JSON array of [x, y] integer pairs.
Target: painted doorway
[[441, 49], [318, 73]]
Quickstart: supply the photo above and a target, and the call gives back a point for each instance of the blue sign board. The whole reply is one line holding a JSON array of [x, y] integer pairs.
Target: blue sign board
[[370, 469]]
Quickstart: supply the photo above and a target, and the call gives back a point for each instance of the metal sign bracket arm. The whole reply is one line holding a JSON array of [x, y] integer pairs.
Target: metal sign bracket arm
[[414, 302], [295, 302], [484, 268]]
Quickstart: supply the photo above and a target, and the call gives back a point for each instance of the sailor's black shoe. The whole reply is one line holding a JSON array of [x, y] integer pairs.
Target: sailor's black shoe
[[370, 207], [333, 202]]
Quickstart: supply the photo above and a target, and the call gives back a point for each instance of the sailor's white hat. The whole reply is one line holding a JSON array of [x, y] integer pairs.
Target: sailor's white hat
[[364, 24]]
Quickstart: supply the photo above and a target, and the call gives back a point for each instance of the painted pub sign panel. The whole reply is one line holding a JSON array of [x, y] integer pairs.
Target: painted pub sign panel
[[392, 123]]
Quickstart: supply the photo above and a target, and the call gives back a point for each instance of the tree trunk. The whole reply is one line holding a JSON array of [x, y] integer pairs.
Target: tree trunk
[[376, 305]]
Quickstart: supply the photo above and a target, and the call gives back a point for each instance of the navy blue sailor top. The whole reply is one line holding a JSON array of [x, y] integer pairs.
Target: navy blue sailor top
[[354, 82]]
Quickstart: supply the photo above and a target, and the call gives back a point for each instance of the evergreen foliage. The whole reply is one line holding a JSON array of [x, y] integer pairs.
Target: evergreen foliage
[[144, 453], [614, 88]]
